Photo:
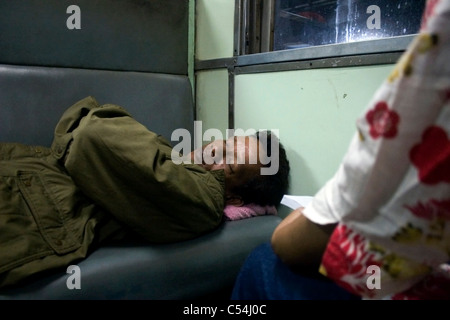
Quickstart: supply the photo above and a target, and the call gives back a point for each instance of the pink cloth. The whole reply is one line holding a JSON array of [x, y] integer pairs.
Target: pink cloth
[[248, 211]]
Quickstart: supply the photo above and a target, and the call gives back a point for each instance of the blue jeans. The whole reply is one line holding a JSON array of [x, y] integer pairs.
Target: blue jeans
[[264, 277]]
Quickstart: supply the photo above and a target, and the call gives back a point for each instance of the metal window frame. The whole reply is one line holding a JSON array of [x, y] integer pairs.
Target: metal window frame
[[362, 53]]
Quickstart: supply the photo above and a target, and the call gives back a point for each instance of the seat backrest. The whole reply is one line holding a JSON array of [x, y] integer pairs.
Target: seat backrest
[[130, 53]]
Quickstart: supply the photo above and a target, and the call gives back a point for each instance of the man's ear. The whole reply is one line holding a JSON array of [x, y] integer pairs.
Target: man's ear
[[234, 200]]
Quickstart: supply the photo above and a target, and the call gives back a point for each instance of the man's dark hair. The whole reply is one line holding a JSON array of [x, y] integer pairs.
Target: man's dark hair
[[267, 189]]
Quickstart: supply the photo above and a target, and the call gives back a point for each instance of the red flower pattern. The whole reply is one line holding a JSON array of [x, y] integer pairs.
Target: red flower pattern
[[346, 260], [447, 95], [383, 122], [431, 210], [434, 287], [428, 12], [348, 254], [432, 156]]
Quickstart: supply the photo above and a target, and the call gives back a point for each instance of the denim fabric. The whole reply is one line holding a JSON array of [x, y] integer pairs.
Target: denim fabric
[[264, 277]]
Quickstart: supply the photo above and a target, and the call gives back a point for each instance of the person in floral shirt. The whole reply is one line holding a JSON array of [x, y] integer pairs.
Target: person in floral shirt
[[380, 228]]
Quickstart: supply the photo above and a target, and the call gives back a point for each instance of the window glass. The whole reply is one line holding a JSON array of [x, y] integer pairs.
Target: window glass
[[305, 23]]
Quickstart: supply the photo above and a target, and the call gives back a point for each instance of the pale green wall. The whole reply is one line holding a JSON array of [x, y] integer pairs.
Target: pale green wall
[[315, 112], [214, 36], [214, 29], [212, 99]]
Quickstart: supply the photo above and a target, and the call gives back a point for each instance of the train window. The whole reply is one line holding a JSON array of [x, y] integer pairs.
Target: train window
[[292, 24]]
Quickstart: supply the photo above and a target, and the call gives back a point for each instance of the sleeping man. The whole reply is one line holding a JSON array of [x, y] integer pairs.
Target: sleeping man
[[106, 177]]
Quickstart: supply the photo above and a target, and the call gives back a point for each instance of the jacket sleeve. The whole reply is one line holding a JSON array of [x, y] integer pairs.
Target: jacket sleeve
[[128, 170]]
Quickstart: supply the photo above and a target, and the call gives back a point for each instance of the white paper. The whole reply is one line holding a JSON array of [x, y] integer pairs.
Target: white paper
[[295, 202]]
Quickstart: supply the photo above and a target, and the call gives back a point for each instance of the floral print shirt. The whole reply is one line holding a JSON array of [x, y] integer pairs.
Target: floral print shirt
[[391, 194]]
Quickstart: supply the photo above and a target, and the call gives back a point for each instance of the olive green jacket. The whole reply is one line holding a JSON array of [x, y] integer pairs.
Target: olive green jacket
[[104, 176]]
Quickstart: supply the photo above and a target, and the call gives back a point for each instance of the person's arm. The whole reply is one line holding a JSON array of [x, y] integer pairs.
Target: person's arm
[[391, 186], [299, 242]]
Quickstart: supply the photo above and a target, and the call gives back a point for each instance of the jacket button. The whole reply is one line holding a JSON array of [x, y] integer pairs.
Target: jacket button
[[27, 182]]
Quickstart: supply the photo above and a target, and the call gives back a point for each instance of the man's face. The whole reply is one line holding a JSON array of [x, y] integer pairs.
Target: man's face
[[237, 156]]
